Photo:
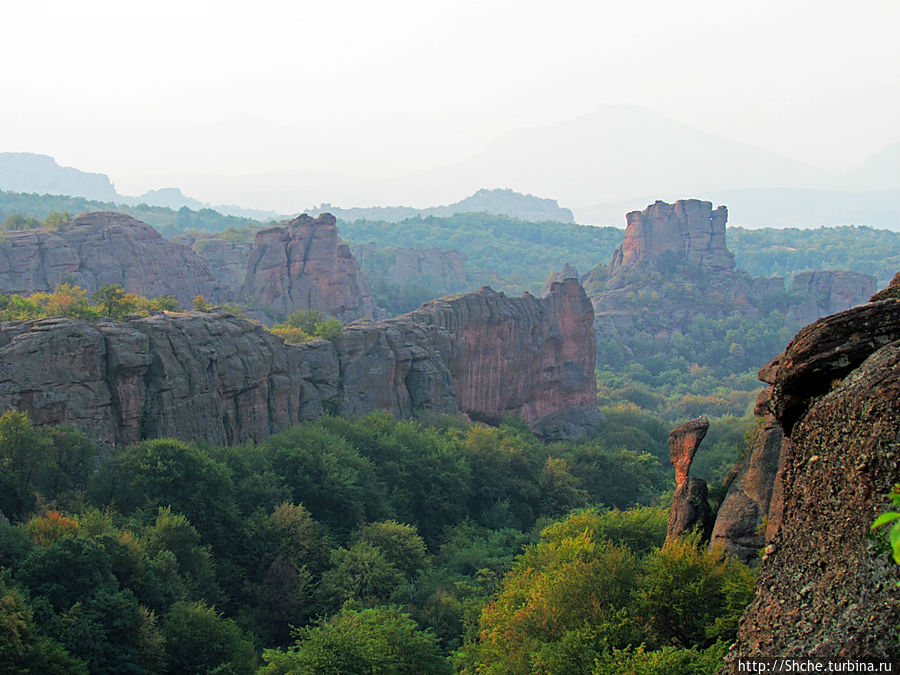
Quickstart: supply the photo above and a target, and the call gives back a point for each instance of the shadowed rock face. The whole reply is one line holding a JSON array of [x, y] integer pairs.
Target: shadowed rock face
[[689, 228], [825, 588], [102, 248], [226, 380], [303, 265], [690, 505]]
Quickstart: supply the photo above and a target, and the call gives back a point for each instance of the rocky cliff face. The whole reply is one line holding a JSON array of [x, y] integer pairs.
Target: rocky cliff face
[[226, 380], [102, 248], [825, 588], [303, 265], [227, 259], [825, 292], [687, 230], [526, 356]]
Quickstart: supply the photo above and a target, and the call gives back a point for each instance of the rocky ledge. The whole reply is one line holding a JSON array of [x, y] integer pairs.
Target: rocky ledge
[[219, 378]]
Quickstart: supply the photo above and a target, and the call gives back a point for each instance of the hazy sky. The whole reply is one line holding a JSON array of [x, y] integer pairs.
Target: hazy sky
[[151, 92]]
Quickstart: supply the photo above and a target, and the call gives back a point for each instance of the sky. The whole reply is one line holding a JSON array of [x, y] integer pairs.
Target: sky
[[152, 94]]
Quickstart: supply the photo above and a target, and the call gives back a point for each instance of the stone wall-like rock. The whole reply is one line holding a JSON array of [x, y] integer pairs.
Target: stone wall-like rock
[[527, 356], [303, 265], [219, 378], [102, 248], [442, 269]]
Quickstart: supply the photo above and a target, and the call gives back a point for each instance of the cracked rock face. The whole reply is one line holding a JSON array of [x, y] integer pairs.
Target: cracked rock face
[[825, 587], [303, 265], [689, 228], [225, 380], [102, 248]]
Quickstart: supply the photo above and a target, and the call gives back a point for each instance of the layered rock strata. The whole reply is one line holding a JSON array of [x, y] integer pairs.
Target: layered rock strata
[[303, 265], [226, 380], [102, 248]]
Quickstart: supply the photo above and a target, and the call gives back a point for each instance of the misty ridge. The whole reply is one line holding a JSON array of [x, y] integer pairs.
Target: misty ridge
[[598, 166]]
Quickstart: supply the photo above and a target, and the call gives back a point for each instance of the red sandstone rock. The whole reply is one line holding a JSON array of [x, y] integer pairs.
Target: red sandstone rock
[[303, 265], [689, 228]]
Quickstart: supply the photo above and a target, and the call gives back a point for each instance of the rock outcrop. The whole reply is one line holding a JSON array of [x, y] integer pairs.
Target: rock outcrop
[[303, 265], [673, 276], [825, 292], [102, 248], [825, 587], [227, 259], [690, 504], [689, 229], [225, 380], [525, 356]]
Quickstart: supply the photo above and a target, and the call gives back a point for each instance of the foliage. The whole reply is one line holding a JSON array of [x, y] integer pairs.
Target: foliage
[[306, 325], [181, 557], [200, 640], [376, 641], [892, 517]]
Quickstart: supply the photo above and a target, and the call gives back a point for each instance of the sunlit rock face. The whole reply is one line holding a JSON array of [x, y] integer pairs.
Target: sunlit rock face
[[303, 265], [689, 229]]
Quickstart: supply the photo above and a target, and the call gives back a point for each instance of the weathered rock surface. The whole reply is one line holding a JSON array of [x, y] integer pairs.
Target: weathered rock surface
[[673, 276], [303, 265], [567, 272], [690, 503], [742, 516], [892, 290], [102, 248], [227, 259], [688, 229], [226, 380], [825, 588], [525, 356], [826, 292]]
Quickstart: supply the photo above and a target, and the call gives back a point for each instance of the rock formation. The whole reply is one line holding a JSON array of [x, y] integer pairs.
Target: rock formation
[[567, 272], [690, 505], [227, 259], [525, 356], [689, 229], [102, 248], [825, 587], [226, 380], [303, 265], [825, 292], [673, 276]]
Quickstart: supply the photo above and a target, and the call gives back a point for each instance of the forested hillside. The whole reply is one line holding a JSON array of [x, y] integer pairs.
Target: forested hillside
[[380, 540]]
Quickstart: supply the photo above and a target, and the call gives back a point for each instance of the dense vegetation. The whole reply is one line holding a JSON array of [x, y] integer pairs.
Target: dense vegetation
[[504, 252], [786, 251], [371, 546], [34, 208]]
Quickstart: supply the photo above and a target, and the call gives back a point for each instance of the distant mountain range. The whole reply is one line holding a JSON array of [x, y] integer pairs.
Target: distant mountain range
[[601, 165]]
